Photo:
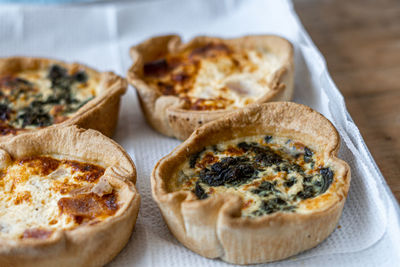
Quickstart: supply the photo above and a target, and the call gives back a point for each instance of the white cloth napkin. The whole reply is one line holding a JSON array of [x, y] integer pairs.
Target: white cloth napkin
[[101, 35]]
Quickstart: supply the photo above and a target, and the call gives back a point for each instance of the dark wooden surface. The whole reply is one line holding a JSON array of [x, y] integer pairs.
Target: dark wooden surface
[[360, 40]]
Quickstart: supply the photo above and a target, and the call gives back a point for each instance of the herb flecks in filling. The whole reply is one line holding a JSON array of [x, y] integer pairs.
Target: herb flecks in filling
[[271, 173], [24, 103]]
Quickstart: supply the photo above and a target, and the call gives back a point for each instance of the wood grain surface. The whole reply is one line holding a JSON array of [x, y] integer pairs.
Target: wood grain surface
[[360, 40]]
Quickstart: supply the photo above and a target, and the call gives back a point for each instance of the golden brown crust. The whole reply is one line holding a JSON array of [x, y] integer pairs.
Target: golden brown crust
[[213, 227], [85, 245], [165, 113], [101, 113]]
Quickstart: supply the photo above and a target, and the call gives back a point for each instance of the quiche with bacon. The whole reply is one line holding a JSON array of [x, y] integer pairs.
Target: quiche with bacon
[[182, 86], [258, 186], [37, 93], [64, 194]]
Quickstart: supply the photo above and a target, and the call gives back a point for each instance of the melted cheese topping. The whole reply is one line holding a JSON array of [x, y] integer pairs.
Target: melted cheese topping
[[214, 76], [270, 174], [38, 98], [39, 195]]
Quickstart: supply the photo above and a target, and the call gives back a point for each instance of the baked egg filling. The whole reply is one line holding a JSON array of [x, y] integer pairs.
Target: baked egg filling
[[42, 194], [39, 98], [213, 76], [269, 173]]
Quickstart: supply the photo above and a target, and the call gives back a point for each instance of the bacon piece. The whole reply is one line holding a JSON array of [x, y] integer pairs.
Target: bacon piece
[[86, 207], [103, 187]]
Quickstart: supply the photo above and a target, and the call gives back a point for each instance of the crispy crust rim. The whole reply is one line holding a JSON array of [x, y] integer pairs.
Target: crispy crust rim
[[164, 113], [100, 113], [86, 245], [213, 227]]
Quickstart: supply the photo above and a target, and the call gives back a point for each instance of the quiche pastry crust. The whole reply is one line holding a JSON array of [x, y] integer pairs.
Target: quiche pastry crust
[[167, 113], [88, 244], [213, 227], [100, 113]]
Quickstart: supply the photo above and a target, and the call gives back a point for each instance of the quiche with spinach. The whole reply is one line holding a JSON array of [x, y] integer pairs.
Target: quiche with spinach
[[182, 86], [260, 185], [37, 93]]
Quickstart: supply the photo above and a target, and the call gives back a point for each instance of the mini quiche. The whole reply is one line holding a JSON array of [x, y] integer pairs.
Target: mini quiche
[[182, 86], [37, 93], [258, 186], [67, 198]]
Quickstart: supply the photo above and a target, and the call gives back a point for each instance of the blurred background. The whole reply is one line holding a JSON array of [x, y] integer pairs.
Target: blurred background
[[360, 40]]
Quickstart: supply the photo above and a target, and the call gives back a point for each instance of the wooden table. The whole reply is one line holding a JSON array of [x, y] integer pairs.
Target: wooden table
[[360, 40]]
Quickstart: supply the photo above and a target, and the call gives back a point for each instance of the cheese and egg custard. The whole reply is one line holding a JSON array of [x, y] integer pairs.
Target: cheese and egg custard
[[213, 76], [270, 173]]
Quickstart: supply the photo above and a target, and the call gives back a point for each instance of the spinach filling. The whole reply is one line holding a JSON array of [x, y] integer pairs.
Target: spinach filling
[[199, 191], [37, 112], [274, 202], [5, 112], [229, 171], [256, 159]]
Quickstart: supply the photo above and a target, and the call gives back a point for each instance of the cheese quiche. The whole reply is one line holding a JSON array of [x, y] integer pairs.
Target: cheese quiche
[[37, 93], [182, 86], [67, 198], [258, 186]]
